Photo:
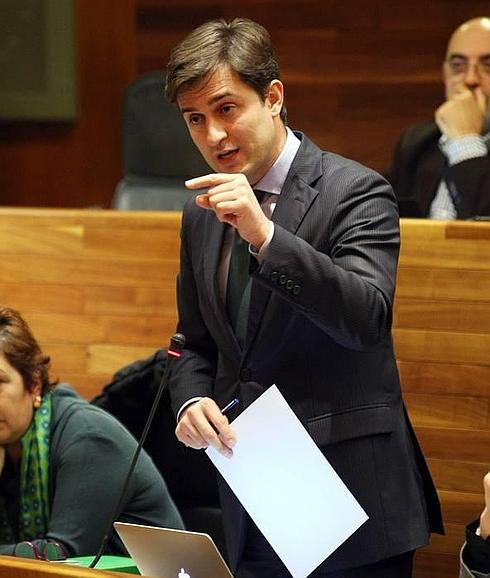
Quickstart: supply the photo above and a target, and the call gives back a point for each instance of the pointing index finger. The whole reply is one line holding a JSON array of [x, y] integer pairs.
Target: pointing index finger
[[207, 181]]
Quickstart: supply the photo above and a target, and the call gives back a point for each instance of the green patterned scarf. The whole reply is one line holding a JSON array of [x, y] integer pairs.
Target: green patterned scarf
[[34, 479]]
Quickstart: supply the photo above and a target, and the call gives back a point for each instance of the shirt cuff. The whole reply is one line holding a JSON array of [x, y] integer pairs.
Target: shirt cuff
[[463, 148], [186, 404], [259, 254]]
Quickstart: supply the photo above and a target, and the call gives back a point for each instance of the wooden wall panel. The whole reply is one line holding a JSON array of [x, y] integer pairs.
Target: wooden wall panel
[[435, 565], [356, 73], [443, 284], [442, 332], [458, 379], [460, 506], [442, 346], [434, 410], [450, 315], [98, 288], [104, 271], [457, 475], [77, 164], [466, 445]]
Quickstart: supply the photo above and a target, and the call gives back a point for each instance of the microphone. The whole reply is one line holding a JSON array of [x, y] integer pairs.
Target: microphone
[[174, 351], [177, 343]]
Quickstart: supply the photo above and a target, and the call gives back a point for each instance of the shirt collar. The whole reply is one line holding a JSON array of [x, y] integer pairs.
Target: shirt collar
[[273, 181]]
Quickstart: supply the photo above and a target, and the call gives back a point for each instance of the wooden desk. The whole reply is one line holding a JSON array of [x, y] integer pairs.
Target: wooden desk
[[442, 341], [98, 288], [11, 567]]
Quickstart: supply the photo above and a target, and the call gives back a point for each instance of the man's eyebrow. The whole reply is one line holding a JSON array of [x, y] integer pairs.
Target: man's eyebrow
[[220, 96], [456, 55], [210, 102]]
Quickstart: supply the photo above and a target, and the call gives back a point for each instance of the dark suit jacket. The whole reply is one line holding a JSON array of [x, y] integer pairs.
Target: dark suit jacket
[[418, 166], [319, 328]]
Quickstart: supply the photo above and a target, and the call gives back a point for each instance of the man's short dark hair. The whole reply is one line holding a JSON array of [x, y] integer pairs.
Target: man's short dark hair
[[241, 44]]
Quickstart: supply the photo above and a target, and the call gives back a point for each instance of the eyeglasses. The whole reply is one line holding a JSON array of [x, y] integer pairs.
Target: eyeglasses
[[460, 66]]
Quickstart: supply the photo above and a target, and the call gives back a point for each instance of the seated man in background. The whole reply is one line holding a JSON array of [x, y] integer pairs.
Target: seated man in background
[[475, 555], [63, 461], [441, 169]]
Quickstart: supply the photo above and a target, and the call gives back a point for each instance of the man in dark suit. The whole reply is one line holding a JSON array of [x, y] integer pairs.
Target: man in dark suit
[[307, 305], [441, 169]]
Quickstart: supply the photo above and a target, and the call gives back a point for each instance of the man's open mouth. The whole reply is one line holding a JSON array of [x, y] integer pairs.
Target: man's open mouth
[[227, 154]]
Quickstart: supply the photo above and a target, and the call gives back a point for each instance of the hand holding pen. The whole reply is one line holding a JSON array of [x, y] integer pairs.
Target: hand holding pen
[[203, 424]]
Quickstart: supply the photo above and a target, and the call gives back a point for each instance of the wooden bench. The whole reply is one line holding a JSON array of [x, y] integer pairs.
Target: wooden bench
[[442, 340], [98, 289]]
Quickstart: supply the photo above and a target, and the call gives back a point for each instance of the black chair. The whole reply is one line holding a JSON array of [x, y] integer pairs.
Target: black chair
[[189, 474], [158, 153]]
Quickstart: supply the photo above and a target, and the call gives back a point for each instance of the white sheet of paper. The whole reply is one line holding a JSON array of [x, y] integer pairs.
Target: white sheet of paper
[[287, 486]]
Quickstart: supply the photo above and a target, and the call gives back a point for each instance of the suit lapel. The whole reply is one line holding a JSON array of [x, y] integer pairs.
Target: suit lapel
[[297, 195], [423, 166], [293, 204], [433, 165]]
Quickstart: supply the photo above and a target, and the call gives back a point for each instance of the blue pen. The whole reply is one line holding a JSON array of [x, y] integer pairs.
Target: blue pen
[[229, 406]]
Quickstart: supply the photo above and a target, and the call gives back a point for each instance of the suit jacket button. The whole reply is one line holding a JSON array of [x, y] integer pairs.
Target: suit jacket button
[[289, 284], [296, 289], [274, 276], [245, 374], [282, 280]]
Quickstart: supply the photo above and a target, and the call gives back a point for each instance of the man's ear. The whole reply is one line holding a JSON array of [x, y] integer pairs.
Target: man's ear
[[275, 97]]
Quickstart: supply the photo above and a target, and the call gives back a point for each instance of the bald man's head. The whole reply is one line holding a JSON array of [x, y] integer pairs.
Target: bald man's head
[[467, 63]]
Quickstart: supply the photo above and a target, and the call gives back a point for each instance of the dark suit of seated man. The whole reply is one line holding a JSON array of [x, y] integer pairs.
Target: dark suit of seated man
[[475, 554], [441, 169]]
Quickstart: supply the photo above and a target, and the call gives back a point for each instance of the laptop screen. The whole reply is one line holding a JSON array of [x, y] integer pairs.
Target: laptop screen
[[169, 553]]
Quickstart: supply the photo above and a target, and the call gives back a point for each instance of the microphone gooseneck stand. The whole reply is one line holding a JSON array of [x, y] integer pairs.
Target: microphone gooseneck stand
[[174, 351]]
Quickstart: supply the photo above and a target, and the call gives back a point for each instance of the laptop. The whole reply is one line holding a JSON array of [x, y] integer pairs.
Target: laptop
[[169, 553]]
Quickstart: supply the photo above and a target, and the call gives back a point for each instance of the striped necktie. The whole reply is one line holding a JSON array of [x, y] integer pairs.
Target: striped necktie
[[242, 264]]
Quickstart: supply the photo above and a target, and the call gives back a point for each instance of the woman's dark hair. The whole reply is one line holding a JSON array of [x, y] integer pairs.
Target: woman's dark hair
[[22, 351], [241, 44]]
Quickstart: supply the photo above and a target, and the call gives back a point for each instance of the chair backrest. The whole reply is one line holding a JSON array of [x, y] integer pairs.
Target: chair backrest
[[190, 475], [158, 153]]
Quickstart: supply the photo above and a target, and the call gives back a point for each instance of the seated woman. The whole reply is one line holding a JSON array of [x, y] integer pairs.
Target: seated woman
[[63, 461]]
